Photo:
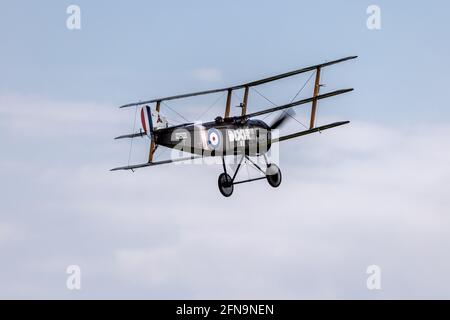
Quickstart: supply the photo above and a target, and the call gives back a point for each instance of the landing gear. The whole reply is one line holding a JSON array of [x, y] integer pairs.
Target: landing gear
[[225, 183], [273, 175]]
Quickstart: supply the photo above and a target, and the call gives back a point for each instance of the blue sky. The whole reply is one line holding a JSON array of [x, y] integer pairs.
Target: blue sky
[[370, 193], [150, 48]]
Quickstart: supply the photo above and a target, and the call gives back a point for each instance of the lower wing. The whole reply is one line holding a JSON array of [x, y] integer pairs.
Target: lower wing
[[154, 163]]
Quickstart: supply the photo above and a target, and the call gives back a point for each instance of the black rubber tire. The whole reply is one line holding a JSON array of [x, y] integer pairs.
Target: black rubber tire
[[225, 186], [273, 175]]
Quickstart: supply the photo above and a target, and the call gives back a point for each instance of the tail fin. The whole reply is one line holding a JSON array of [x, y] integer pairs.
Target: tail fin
[[152, 120], [146, 120]]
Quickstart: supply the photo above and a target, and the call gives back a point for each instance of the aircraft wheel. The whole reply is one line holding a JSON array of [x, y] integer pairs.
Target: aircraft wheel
[[273, 175], [225, 185]]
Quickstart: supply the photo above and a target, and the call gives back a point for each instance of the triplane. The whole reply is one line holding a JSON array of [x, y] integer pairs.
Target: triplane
[[243, 136]]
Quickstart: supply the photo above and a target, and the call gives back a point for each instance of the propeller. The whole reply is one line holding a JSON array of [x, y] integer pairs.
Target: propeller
[[278, 123]]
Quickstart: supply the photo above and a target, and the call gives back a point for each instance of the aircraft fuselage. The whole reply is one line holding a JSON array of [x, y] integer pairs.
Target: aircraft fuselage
[[229, 136]]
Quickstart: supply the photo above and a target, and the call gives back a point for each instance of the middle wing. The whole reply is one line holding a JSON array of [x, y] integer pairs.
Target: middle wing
[[299, 102]]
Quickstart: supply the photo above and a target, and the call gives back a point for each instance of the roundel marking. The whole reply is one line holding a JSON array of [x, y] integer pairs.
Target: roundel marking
[[214, 138]]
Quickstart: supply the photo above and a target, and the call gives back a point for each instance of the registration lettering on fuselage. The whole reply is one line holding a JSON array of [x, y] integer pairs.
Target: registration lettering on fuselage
[[240, 135]]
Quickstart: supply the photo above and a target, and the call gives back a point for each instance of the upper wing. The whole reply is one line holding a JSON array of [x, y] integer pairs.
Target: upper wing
[[241, 86]]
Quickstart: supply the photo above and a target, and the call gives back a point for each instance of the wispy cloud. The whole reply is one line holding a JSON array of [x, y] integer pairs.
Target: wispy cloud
[[10, 233], [358, 195], [25, 116], [208, 74]]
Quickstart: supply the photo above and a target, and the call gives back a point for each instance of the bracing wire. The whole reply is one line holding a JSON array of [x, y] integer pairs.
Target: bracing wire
[[298, 121], [171, 120], [212, 105], [131, 141], [239, 97], [291, 102], [160, 152], [264, 97], [259, 93], [234, 96], [174, 111], [296, 95], [303, 87]]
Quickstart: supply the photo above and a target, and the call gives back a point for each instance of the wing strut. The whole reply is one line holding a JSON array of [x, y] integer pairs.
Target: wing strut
[[244, 102], [228, 105], [314, 102], [152, 150]]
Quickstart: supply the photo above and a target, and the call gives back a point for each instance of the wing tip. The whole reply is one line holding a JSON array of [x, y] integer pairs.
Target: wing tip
[[116, 169]]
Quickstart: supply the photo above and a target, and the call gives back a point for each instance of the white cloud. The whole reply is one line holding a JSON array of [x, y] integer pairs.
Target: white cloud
[[208, 74], [10, 233], [351, 197], [31, 116]]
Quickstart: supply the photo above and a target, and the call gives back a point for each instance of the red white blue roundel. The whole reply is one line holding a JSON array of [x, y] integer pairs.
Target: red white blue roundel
[[214, 138]]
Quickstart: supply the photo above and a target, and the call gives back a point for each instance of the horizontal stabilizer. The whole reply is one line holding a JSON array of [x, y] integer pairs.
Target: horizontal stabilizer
[[317, 129], [132, 135], [151, 164]]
